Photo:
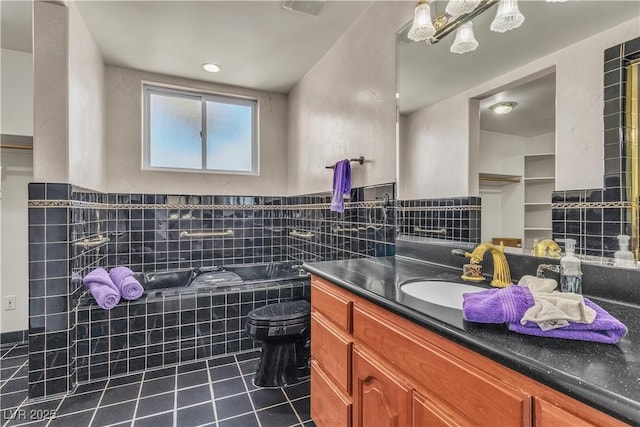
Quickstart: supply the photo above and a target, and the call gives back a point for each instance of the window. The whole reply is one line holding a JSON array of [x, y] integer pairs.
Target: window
[[192, 131]]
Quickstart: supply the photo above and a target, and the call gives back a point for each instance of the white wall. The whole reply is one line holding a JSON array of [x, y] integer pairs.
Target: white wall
[[502, 206], [579, 122], [16, 174], [51, 89], [123, 89], [86, 106], [345, 106], [16, 92], [435, 151]]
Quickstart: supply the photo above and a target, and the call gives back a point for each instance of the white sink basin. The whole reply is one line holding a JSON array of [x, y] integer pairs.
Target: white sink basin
[[446, 294]]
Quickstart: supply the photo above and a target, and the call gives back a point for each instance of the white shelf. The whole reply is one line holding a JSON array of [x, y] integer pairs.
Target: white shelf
[[540, 155], [540, 179]]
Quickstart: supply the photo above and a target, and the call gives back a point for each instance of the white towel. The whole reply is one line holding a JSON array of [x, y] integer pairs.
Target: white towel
[[553, 309]]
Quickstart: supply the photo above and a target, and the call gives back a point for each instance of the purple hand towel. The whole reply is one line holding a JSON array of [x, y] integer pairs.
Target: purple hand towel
[[497, 305], [341, 184], [102, 288], [508, 305], [126, 283], [605, 329]]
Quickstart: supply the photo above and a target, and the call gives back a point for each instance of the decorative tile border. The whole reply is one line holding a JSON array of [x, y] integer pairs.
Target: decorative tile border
[[440, 208], [587, 205]]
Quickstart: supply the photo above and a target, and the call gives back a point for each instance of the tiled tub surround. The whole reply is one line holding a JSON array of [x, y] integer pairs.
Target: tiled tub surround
[[455, 219], [595, 217], [69, 228], [179, 326]]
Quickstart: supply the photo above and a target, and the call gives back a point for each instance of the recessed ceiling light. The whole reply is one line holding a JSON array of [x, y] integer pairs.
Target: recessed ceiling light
[[503, 108], [212, 68]]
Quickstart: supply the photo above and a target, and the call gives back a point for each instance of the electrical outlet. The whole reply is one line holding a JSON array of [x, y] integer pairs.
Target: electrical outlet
[[10, 302]]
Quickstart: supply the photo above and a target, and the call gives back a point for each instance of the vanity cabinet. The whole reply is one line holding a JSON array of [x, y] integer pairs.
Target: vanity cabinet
[[371, 367]]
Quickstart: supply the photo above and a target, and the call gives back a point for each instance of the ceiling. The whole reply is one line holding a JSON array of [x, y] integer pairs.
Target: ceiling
[[534, 115], [258, 44]]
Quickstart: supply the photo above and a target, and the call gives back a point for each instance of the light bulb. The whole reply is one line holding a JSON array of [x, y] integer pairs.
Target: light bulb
[[503, 108]]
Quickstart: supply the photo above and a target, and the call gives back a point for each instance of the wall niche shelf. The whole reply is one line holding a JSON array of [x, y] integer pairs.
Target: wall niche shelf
[[539, 183]]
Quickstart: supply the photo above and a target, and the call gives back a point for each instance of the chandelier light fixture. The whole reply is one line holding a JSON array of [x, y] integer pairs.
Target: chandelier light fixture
[[459, 13]]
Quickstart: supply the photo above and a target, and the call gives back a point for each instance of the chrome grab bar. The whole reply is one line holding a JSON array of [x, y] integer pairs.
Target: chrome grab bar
[[338, 229], [93, 242], [303, 234], [206, 233], [432, 231]]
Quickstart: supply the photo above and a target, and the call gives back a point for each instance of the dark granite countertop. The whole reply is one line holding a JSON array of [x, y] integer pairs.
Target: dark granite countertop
[[604, 376]]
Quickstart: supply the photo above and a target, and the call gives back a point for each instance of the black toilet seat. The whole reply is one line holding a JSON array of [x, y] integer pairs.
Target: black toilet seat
[[291, 311]]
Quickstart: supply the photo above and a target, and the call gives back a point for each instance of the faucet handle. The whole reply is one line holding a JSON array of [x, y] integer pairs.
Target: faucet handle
[[555, 268], [460, 253]]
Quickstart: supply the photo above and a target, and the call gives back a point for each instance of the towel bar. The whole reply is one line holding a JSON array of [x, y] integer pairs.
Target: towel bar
[[206, 233], [303, 234], [360, 160], [432, 231], [93, 242]]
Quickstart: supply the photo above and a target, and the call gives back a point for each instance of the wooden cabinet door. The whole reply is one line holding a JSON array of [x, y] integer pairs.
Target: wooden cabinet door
[[380, 399], [330, 407]]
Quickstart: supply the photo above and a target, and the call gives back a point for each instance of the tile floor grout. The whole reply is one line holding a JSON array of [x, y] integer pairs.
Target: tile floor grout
[[186, 403]]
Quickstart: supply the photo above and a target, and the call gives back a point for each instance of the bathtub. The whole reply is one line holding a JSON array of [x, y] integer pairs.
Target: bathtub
[[170, 282], [184, 315]]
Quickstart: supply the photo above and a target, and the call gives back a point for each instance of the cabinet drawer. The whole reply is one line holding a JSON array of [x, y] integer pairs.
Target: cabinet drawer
[[331, 348], [329, 406], [332, 302], [482, 398], [425, 413], [546, 414]]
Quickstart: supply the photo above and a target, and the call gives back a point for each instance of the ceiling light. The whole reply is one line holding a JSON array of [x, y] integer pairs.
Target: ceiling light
[[503, 108], [457, 14], [465, 41], [422, 27], [508, 16], [212, 68]]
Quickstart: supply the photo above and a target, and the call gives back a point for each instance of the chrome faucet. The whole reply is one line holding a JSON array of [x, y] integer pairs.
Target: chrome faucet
[[501, 272]]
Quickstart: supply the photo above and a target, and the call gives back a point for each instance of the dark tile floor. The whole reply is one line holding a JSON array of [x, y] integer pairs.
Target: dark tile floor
[[217, 392]]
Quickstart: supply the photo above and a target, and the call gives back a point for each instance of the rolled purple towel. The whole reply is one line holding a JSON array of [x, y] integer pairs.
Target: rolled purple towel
[[126, 283], [103, 290], [605, 329], [497, 305]]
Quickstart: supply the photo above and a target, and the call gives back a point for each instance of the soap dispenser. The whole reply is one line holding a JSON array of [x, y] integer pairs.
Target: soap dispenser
[[570, 271], [623, 256]]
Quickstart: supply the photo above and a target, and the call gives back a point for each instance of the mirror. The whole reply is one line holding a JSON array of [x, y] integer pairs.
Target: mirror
[[443, 101]]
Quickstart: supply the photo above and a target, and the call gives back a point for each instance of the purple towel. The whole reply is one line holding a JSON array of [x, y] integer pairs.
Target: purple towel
[[508, 305], [126, 283], [497, 305], [341, 184], [102, 288]]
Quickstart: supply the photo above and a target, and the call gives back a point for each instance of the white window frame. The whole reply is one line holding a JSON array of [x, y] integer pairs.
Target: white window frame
[[149, 88]]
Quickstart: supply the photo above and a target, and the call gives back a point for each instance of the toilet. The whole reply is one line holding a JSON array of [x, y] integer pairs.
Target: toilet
[[283, 329]]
